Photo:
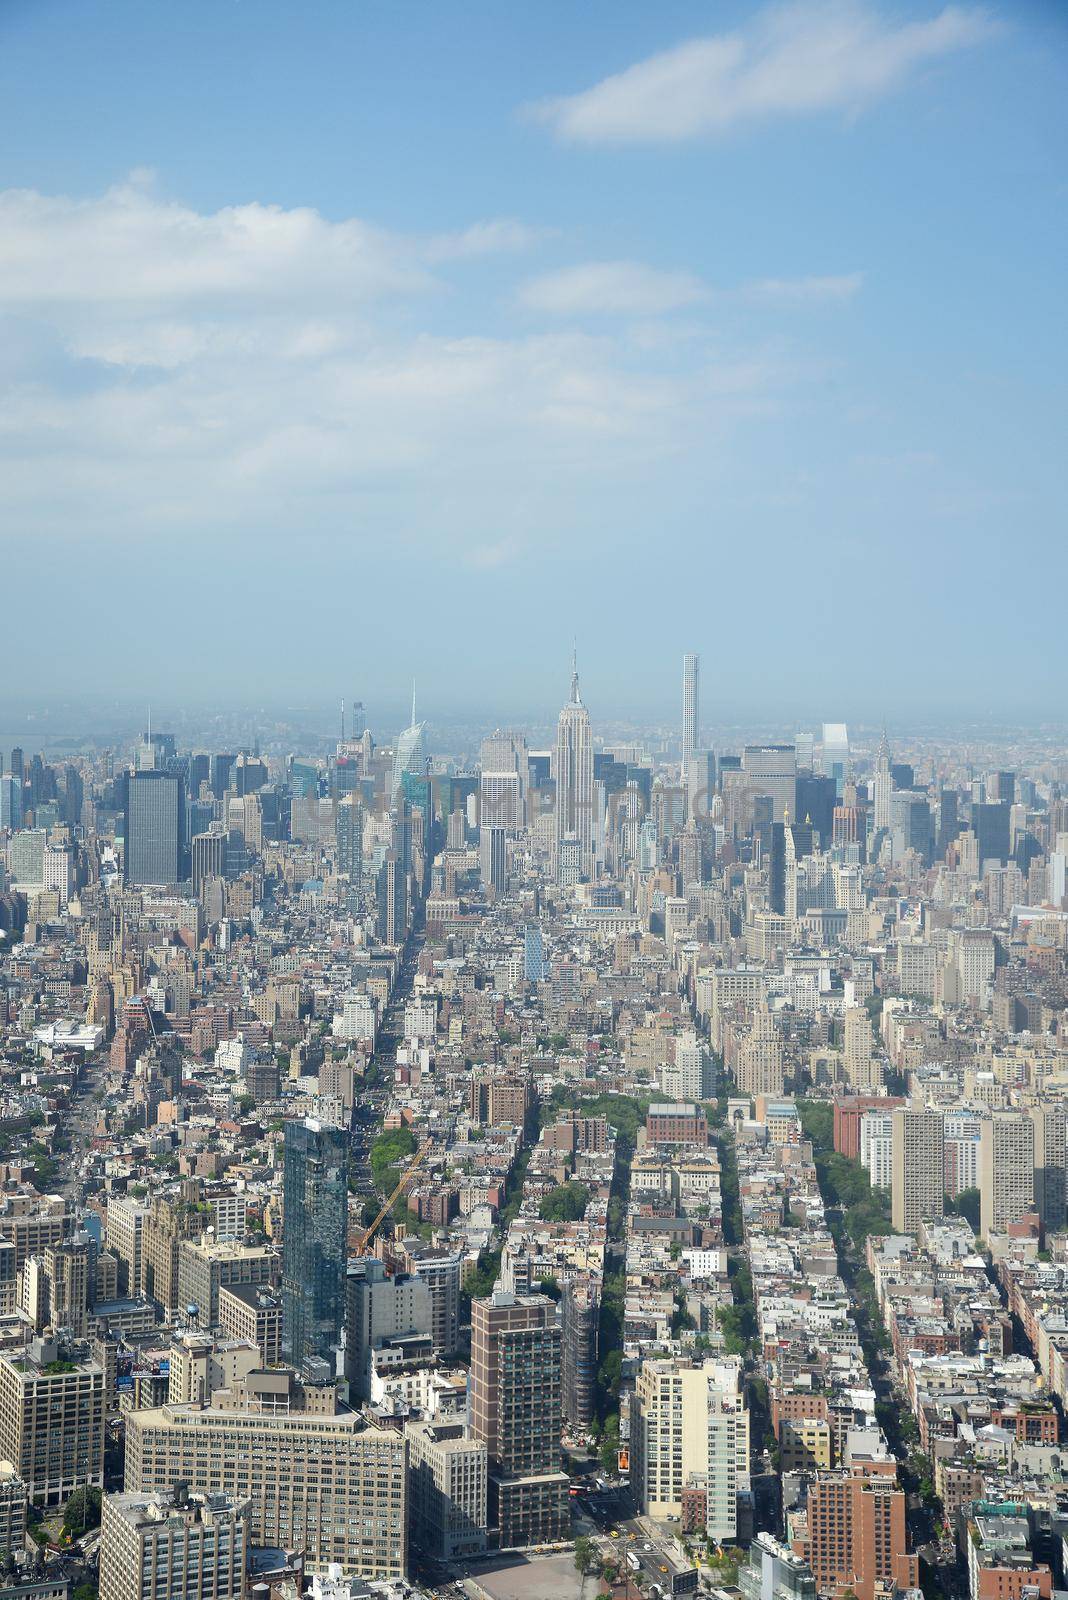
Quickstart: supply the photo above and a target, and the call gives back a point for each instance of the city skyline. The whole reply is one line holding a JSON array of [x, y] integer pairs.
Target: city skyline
[[483, 325]]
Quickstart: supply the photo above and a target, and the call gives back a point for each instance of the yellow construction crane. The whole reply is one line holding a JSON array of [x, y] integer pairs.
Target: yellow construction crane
[[362, 1240]]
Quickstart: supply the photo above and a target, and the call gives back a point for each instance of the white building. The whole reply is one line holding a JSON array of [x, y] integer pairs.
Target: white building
[[876, 1147]]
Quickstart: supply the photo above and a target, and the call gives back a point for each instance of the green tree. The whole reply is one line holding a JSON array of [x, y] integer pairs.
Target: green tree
[[966, 1204], [587, 1556], [566, 1203], [83, 1512]]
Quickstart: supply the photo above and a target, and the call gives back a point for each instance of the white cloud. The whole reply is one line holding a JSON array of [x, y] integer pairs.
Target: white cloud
[[502, 236], [499, 553], [625, 288], [129, 246], [804, 291], [789, 61], [269, 373]]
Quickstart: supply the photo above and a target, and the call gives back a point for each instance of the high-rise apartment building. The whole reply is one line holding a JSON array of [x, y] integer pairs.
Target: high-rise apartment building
[[173, 1544], [441, 1271], [917, 1191], [690, 1430], [314, 1240], [516, 1410], [380, 1310], [1006, 1170], [862, 1070], [573, 771], [348, 827], [580, 1306], [856, 1537], [1050, 1138], [691, 711]]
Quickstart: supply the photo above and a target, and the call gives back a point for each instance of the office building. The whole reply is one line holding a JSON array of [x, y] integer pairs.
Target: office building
[[883, 786], [10, 801], [492, 858], [254, 1313], [348, 825], [1006, 1170], [447, 1490], [918, 1167], [205, 1266], [318, 1480], [174, 1545], [208, 858], [771, 769], [573, 772], [502, 782], [153, 833], [409, 755], [26, 857], [314, 1240], [516, 1410], [52, 1419]]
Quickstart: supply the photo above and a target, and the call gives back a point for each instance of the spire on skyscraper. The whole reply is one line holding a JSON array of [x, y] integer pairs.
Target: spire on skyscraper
[[576, 698]]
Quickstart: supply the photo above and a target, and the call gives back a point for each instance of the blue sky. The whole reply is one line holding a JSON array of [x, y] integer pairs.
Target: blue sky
[[341, 341]]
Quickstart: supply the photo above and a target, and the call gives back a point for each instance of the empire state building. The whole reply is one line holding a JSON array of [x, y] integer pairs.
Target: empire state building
[[573, 771]]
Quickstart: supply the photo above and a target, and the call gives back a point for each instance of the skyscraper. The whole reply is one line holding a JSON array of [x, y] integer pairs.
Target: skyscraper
[[155, 813], [315, 1220], [493, 857], [408, 756], [691, 710], [573, 771], [348, 826], [10, 801], [771, 769], [884, 785]]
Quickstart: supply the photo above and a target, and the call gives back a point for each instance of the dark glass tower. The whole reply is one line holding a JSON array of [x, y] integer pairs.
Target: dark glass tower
[[315, 1222], [155, 818]]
